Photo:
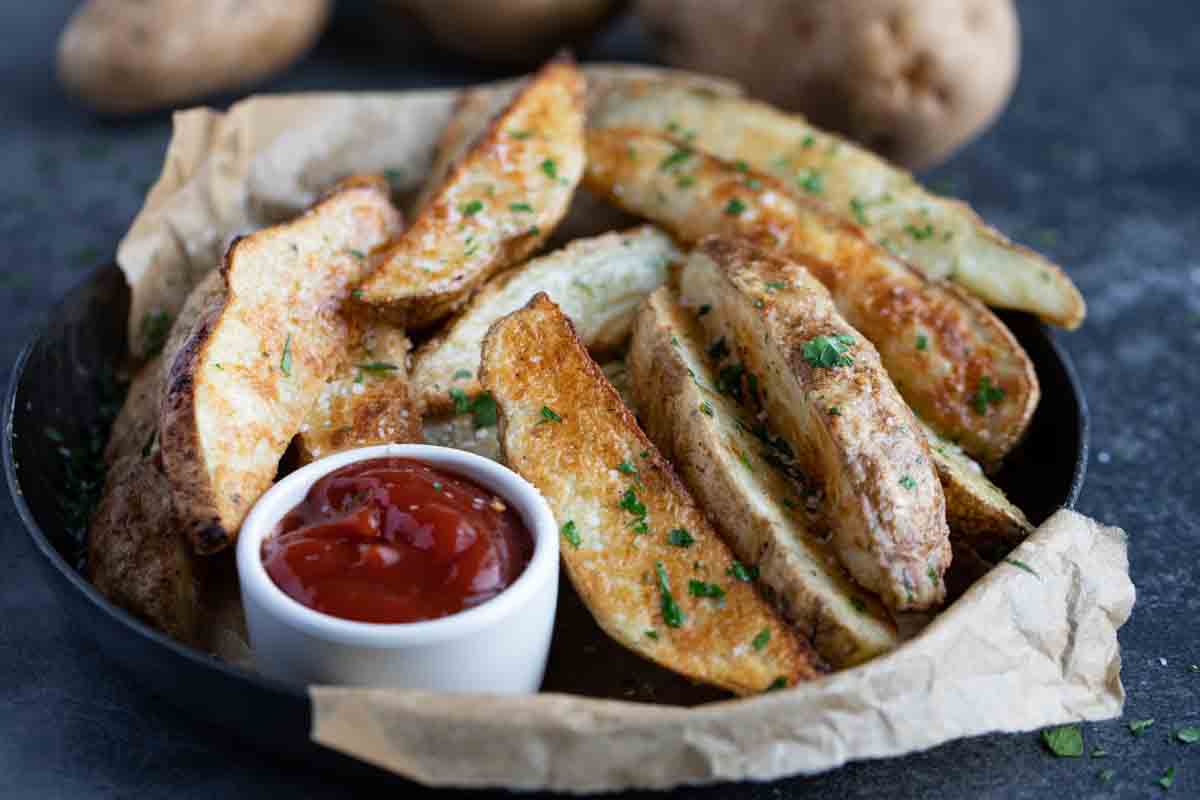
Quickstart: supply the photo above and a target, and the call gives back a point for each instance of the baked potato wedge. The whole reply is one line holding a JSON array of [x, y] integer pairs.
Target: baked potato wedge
[[978, 512], [740, 481], [957, 365], [597, 282], [251, 367], [824, 390], [496, 206], [369, 400], [639, 551], [942, 237]]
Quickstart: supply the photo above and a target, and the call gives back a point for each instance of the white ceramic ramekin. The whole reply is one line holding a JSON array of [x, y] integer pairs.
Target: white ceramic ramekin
[[498, 646]]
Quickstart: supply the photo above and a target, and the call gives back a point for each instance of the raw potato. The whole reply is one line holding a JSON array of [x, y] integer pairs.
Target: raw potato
[[911, 79], [120, 57], [511, 31]]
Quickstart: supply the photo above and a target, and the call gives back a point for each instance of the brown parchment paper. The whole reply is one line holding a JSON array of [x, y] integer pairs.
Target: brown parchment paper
[[1018, 651]]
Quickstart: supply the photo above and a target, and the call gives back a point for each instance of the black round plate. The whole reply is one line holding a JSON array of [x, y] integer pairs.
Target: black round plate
[[58, 384]]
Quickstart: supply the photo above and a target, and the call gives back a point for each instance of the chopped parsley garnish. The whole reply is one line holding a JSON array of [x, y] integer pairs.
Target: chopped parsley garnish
[[437, 486], [829, 351], [922, 342], [550, 168], [677, 157], [706, 408], [1021, 565], [571, 533], [520, 207], [463, 374], [1168, 778], [704, 589], [987, 394], [775, 285], [462, 402], [760, 641], [834, 411], [908, 483], [675, 341], [378, 366], [155, 327], [1065, 741], [1139, 726], [1098, 752], [357, 294], [672, 614], [923, 232], [718, 349], [681, 538], [640, 527], [812, 182], [285, 360], [1188, 735], [472, 208], [739, 571], [652, 634], [685, 181], [548, 415], [778, 683], [734, 207], [359, 254], [627, 468], [520, 134], [704, 309], [808, 141], [1106, 775], [482, 408], [629, 502], [859, 209]]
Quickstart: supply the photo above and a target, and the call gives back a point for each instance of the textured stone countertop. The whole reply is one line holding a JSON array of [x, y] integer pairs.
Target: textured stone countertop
[[1095, 162]]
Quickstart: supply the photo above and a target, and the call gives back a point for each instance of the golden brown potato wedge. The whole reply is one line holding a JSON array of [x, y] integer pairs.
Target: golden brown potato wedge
[[249, 369], [977, 510], [597, 282], [957, 365], [826, 393], [498, 203], [941, 236], [369, 400], [564, 429], [739, 480]]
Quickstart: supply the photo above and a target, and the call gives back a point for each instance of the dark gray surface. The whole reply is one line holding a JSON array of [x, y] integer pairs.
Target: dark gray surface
[[1093, 162]]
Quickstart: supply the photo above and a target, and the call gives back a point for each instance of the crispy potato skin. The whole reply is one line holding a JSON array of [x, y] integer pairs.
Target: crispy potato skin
[[895, 307], [532, 360], [495, 207], [760, 512], [369, 400], [883, 501], [941, 236], [597, 282], [251, 367]]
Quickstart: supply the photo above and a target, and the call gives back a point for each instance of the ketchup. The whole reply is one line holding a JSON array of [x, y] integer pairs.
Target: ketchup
[[394, 540]]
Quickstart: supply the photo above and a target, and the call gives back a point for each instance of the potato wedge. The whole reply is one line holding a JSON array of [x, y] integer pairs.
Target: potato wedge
[[369, 400], [977, 510], [596, 282], [250, 369], [942, 237], [498, 203], [957, 365], [760, 511], [826, 393], [564, 429]]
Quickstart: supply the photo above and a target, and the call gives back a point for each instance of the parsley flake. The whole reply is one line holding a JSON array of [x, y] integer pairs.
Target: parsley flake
[[677, 157], [1168, 778], [520, 207], [923, 232], [704, 589], [652, 634], [548, 415], [812, 182], [734, 207], [740, 572], [922, 342], [778, 683], [706, 408], [829, 351], [550, 168], [1065, 741], [472, 208], [672, 614], [760, 641], [1139, 726], [1021, 565], [571, 533], [908, 483], [773, 285], [483, 411], [520, 134], [988, 394], [463, 374], [1188, 735], [627, 468], [1106, 775], [680, 537], [704, 309], [378, 366], [630, 502], [285, 360]]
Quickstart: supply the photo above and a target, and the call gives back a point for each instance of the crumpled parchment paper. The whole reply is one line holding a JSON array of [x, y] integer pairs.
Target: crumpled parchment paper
[[1020, 650]]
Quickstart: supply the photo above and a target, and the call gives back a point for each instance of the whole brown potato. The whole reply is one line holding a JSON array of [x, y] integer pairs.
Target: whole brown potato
[[511, 31], [118, 56], [912, 79]]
